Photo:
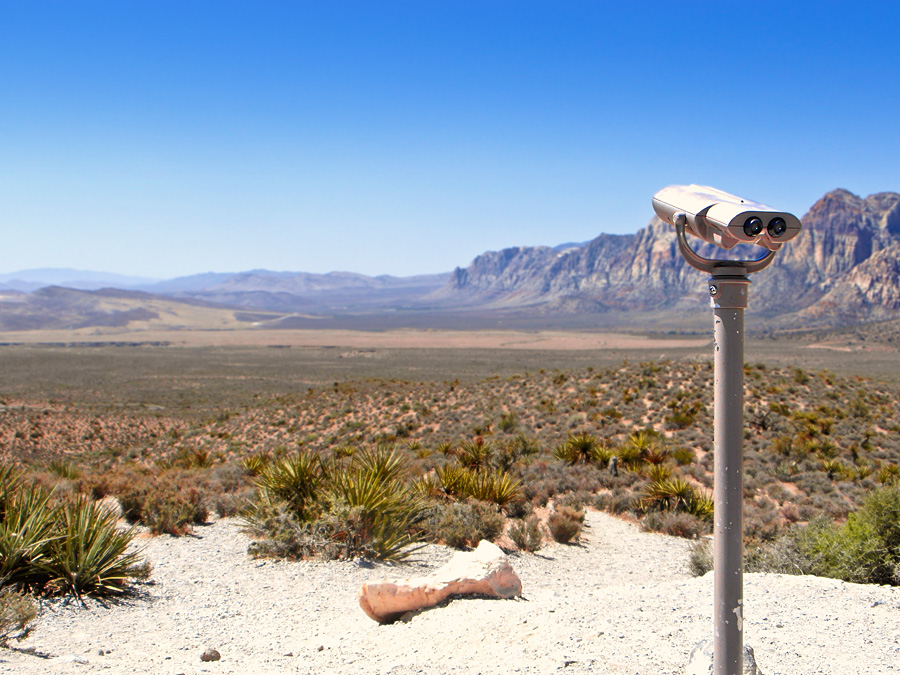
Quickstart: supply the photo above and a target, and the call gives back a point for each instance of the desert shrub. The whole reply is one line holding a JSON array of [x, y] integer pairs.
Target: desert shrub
[[760, 524], [575, 501], [231, 503], [166, 501], [280, 534], [565, 524], [463, 525], [519, 448], [173, 511], [542, 480], [617, 501], [526, 534], [518, 507], [17, 611], [701, 558], [781, 556], [676, 524]]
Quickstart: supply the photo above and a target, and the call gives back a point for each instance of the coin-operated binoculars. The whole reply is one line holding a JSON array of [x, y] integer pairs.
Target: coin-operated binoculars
[[725, 220]]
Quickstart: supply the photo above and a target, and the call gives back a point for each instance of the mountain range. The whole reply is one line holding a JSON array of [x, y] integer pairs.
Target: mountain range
[[842, 270]]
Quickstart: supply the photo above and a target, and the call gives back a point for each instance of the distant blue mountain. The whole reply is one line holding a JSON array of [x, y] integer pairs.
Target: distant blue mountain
[[85, 280]]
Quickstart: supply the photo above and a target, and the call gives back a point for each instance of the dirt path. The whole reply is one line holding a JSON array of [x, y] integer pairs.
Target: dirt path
[[622, 602]]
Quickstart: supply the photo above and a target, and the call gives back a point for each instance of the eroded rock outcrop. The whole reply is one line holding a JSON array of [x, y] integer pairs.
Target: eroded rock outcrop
[[840, 269]]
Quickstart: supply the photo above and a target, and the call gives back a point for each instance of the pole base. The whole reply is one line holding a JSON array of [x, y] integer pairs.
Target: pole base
[[700, 662]]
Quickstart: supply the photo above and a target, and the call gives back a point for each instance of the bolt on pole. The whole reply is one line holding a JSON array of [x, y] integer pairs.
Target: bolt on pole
[[728, 292]]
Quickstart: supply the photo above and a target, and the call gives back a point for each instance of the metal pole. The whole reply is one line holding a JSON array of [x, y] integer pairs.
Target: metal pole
[[728, 292]]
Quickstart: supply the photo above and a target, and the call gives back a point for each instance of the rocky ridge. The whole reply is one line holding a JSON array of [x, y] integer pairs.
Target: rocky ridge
[[843, 268]]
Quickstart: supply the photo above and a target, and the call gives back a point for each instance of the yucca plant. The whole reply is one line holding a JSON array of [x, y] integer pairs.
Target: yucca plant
[[889, 474], [297, 480], [191, 458], [256, 462], [603, 452], [658, 473], [497, 487], [26, 531], [10, 482], [454, 480], [638, 447], [576, 449], [700, 505], [64, 469], [379, 510], [475, 454], [833, 467], [90, 555], [382, 464], [668, 494], [428, 486]]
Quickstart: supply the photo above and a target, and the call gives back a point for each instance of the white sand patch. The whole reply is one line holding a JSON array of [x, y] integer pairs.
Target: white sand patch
[[621, 602]]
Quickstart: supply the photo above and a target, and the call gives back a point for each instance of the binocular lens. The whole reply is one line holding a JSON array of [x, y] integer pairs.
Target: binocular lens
[[754, 226], [777, 227]]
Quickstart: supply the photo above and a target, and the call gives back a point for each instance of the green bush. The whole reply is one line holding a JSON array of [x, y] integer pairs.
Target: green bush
[[866, 549]]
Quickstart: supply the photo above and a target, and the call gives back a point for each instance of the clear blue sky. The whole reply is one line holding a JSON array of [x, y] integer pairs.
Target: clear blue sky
[[170, 138]]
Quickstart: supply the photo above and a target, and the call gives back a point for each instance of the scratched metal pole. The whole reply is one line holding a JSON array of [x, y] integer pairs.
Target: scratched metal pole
[[728, 290]]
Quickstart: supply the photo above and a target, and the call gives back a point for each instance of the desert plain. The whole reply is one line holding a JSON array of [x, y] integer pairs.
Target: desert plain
[[621, 600]]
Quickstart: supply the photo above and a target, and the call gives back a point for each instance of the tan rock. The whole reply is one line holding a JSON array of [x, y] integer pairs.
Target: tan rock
[[484, 571]]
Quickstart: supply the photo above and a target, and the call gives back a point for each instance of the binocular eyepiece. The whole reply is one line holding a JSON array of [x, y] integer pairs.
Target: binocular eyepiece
[[724, 219]]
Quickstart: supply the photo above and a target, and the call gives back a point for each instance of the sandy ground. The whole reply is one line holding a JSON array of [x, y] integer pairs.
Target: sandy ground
[[621, 602]]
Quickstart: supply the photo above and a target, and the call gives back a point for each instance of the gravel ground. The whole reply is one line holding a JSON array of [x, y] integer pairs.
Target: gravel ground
[[621, 602]]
